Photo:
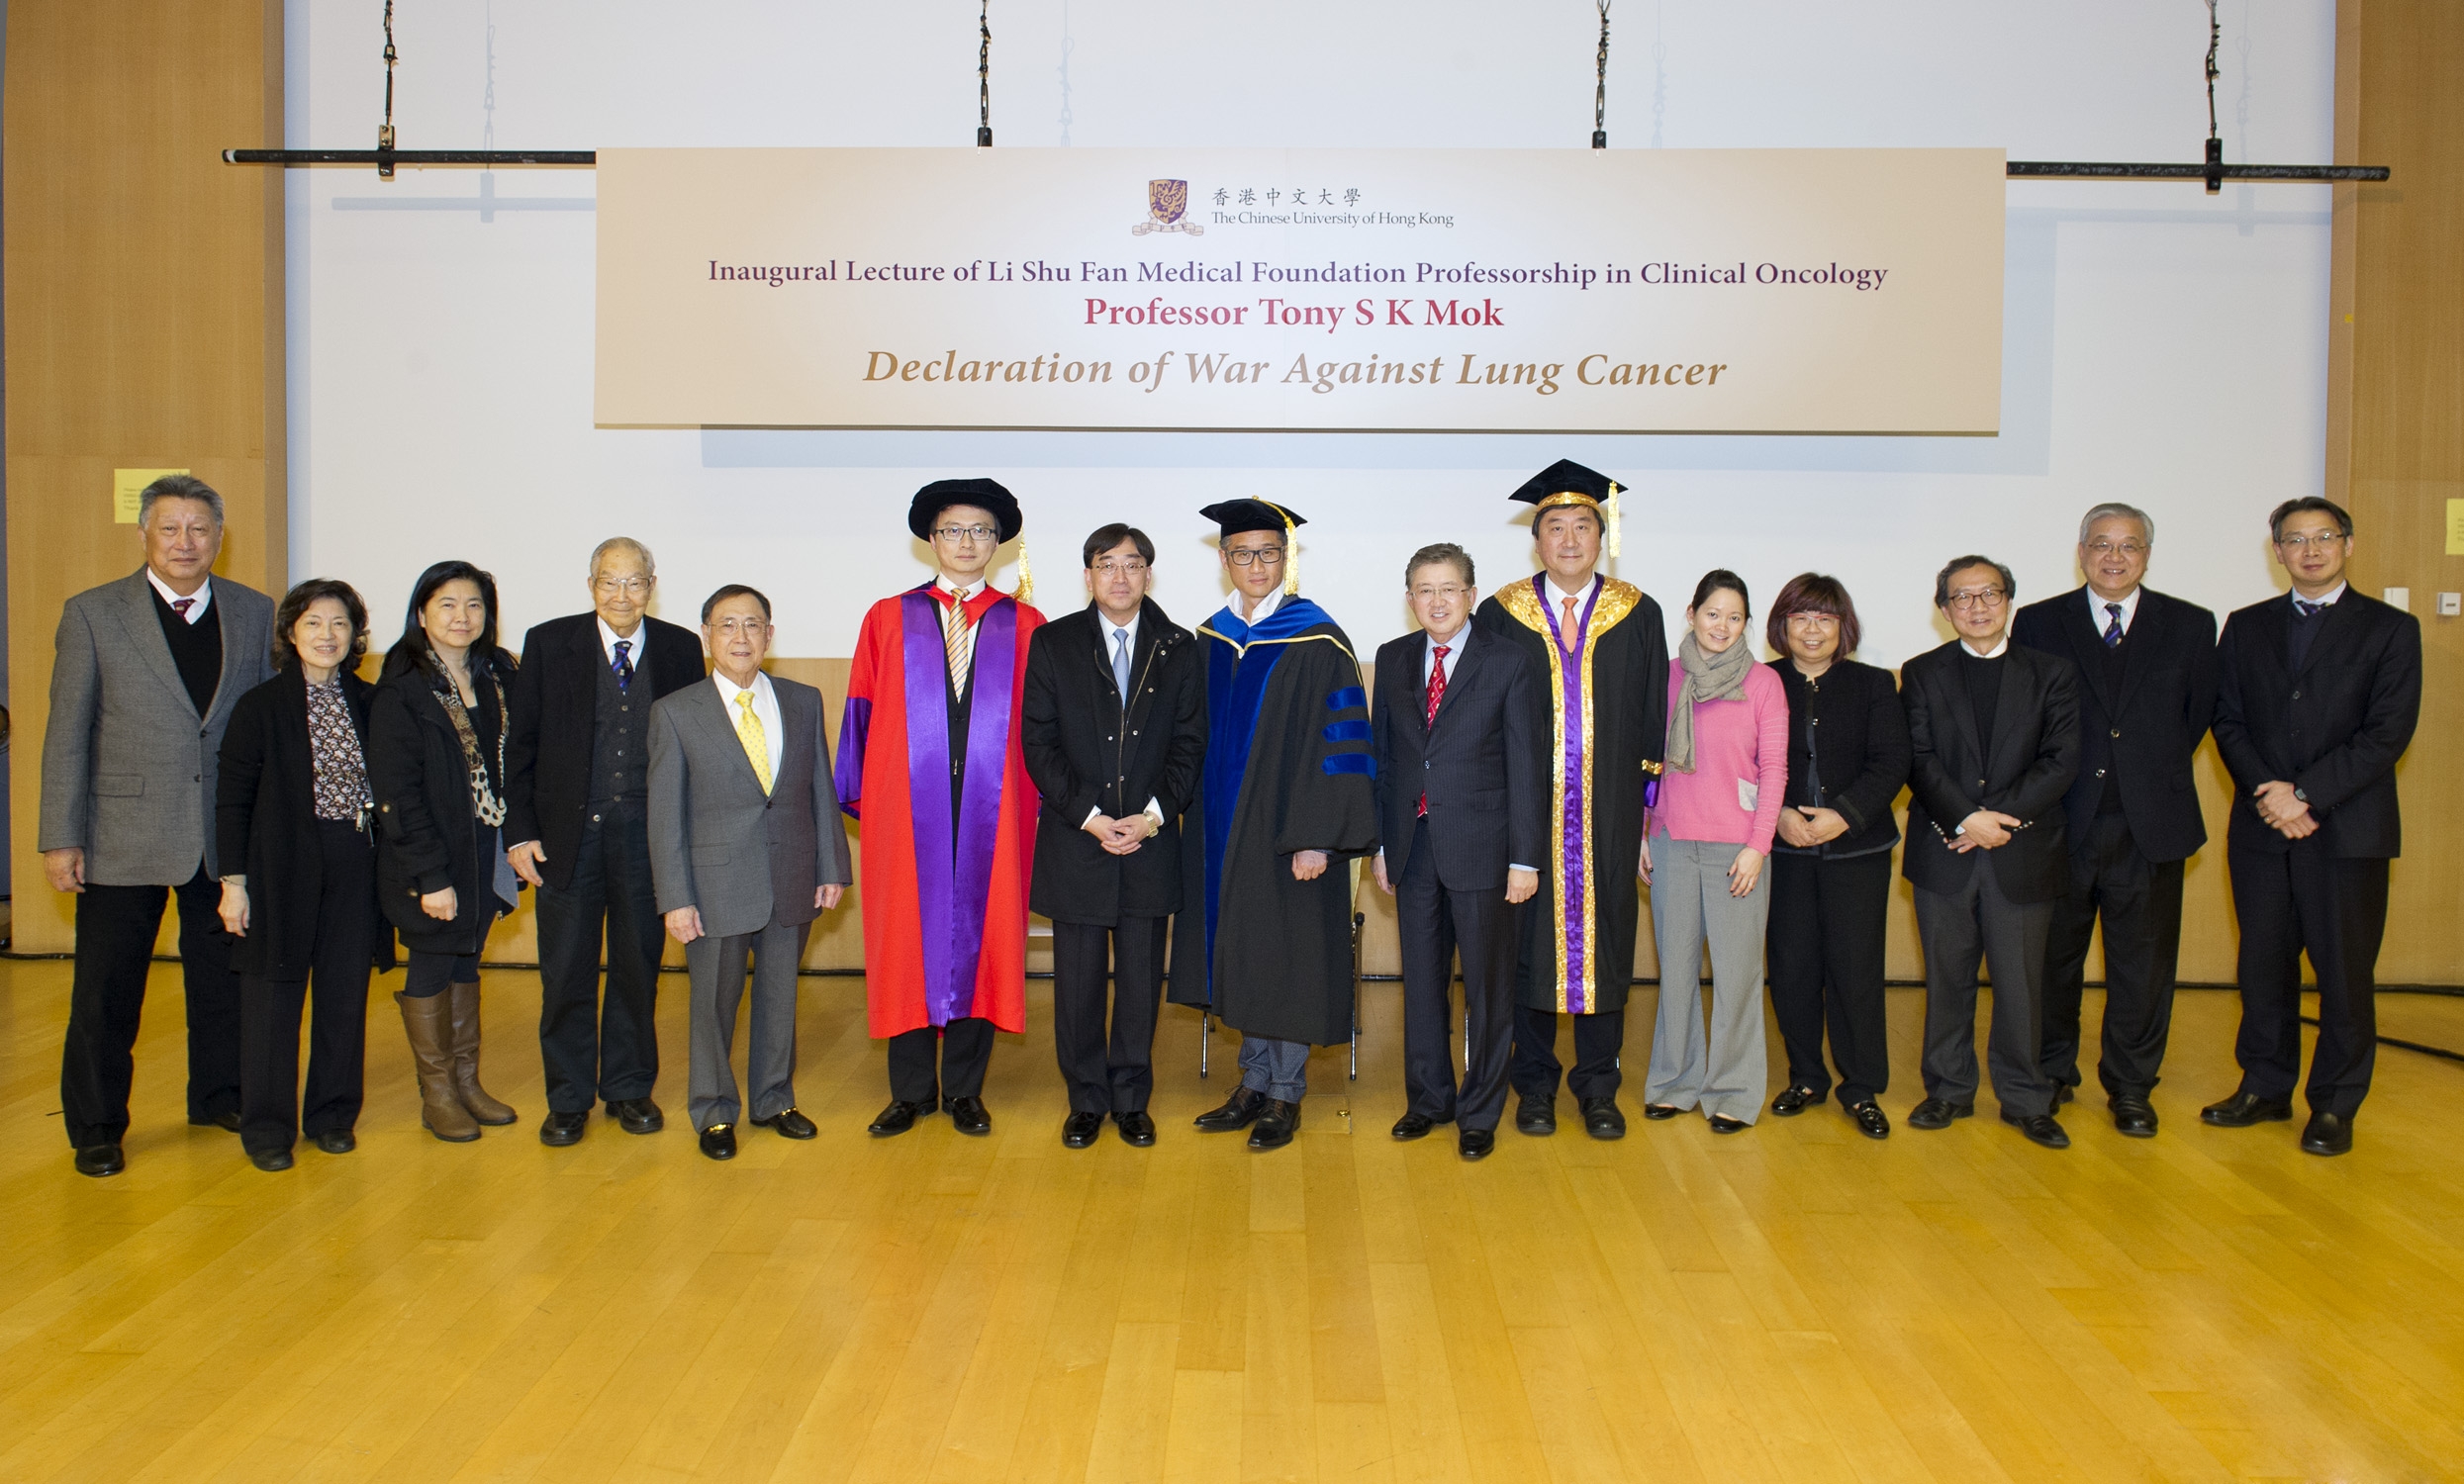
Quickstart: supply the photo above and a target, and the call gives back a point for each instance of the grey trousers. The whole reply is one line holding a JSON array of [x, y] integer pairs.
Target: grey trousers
[[1957, 929], [1277, 1068], [715, 968], [1691, 911]]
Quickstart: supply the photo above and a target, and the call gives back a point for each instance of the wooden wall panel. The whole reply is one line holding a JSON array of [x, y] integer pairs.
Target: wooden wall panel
[[145, 309]]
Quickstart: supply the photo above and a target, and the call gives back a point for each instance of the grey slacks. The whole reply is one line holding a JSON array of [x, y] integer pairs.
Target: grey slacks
[[715, 969], [1957, 929], [1691, 911]]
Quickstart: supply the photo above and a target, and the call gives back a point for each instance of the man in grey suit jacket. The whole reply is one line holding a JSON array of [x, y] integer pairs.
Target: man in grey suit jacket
[[144, 676], [746, 849]]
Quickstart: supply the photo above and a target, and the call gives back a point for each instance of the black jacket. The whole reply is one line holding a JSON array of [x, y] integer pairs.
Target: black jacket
[[265, 824], [2333, 730], [1085, 751], [2022, 771], [428, 838], [1483, 765], [555, 698], [2145, 729], [1847, 729]]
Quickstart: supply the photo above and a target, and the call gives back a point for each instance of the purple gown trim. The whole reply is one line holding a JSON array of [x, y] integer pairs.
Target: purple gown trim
[[1575, 863], [953, 876]]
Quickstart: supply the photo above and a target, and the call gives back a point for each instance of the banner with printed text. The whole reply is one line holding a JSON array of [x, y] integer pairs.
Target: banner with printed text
[[1813, 291]]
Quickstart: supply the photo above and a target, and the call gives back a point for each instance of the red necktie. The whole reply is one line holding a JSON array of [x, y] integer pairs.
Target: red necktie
[[181, 606], [1437, 693]]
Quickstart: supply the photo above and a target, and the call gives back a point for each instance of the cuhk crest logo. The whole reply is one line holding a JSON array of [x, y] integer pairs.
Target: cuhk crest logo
[[1167, 202]]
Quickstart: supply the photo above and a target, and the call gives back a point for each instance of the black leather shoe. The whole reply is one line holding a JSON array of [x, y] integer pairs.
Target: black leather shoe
[[1413, 1126], [1137, 1129], [1239, 1111], [1936, 1113], [637, 1115], [229, 1123], [2326, 1133], [336, 1141], [2063, 1092], [100, 1159], [897, 1118], [1871, 1121], [719, 1141], [558, 1129], [1601, 1118], [2041, 1128], [1079, 1129], [270, 1161], [2132, 1117], [1796, 1100], [1661, 1112], [969, 1116], [1720, 1123], [2245, 1109], [790, 1124], [1475, 1143], [1278, 1121], [1536, 1116]]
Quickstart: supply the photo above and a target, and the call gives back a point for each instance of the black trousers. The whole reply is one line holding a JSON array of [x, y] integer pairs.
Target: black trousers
[[1599, 1038], [426, 974], [1108, 1071], [1434, 923], [2306, 901], [593, 1051], [271, 1110], [1824, 950], [1958, 930], [963, 1049], [2140, 901], [115, 928]]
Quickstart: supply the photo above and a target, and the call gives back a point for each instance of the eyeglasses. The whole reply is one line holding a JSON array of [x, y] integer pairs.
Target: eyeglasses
[[1131, 568], [1451, 593], [2322, 539], [744, 627], [957, 534], [1812, 619], [1264, 556], [1979, 598], [2102, 547], [632, 587]]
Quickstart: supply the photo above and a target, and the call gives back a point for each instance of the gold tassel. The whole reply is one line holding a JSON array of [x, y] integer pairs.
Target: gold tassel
[[1608, 509], [1292, 551], [1026, 575]]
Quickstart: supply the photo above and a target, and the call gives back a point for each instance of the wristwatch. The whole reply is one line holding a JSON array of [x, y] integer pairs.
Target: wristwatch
[[2298, 793], [240, 882]]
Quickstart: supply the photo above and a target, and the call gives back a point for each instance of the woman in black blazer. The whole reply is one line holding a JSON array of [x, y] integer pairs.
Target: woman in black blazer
[[437, 762], [1831, 865], [292, 809]]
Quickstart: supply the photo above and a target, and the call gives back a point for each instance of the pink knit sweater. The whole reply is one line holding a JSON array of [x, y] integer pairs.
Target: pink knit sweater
[[1741, 752]]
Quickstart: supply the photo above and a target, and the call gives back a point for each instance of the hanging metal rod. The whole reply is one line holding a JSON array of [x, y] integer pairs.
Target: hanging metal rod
[[2018, 169]]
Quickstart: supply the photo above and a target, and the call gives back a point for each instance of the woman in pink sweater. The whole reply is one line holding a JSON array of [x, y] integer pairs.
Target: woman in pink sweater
[[1704, 841]]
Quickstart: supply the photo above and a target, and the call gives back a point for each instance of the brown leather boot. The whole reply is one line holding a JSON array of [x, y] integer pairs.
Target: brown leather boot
[[486, 1109], [427, 1023]]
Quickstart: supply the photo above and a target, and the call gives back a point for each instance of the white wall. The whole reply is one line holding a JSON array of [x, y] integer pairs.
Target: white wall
[[2159, 346]]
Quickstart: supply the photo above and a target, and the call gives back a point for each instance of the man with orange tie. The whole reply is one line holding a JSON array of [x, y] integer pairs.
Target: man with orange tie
[[934, 703]]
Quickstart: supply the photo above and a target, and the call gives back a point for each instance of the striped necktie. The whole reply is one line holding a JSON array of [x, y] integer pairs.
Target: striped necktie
[[756, 740], [958, 637], [2113, 629]]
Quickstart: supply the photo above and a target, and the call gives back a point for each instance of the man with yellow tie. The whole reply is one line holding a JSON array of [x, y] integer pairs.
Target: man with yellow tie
[[746, 849]]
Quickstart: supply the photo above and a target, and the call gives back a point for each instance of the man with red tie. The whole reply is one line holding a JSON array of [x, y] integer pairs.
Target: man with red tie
[[935, 694], [1462, 809]]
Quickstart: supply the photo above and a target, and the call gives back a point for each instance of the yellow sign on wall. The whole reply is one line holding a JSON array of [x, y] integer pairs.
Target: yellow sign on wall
[[127, 485], [2455, 528]]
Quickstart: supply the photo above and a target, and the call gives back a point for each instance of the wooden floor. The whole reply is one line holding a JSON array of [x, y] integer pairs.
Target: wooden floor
[[1793, 1303]]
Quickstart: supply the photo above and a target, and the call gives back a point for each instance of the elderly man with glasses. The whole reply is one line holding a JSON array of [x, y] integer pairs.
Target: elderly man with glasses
[[576, 816], [1994, 731]]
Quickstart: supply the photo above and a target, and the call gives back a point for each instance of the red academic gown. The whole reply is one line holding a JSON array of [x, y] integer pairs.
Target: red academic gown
[[945, 890]]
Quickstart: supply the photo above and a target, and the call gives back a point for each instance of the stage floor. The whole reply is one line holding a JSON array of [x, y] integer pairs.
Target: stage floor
[[1792, 1303]]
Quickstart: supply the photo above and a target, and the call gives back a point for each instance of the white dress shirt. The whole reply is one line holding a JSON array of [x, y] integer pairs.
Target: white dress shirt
[[1267, 604], [608, 642], [1454, 643], [2327, 601], [2102, 619], [942, 581], [1994, 653], [765, 707], [1107, 628], [203, 597]]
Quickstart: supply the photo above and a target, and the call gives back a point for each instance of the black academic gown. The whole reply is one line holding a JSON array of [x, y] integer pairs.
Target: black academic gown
[[1619, 675], [1288, 769]]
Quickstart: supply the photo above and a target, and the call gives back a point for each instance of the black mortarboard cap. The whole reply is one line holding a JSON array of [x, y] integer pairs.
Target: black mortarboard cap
[[1238, 515], [984, 494], [1569, 483]]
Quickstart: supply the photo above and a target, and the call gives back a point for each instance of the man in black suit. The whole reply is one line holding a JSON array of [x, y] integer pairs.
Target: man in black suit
[[1457, 732], [2147, 665], [2318, 697], [577, 763], [1113, 726], [1994, 729]]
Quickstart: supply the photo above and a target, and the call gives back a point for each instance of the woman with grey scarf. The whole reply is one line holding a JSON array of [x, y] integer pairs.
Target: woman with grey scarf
[[1705, 838]]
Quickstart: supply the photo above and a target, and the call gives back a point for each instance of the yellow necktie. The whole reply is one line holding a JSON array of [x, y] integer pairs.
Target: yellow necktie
[[756, 741], [958, 637]]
